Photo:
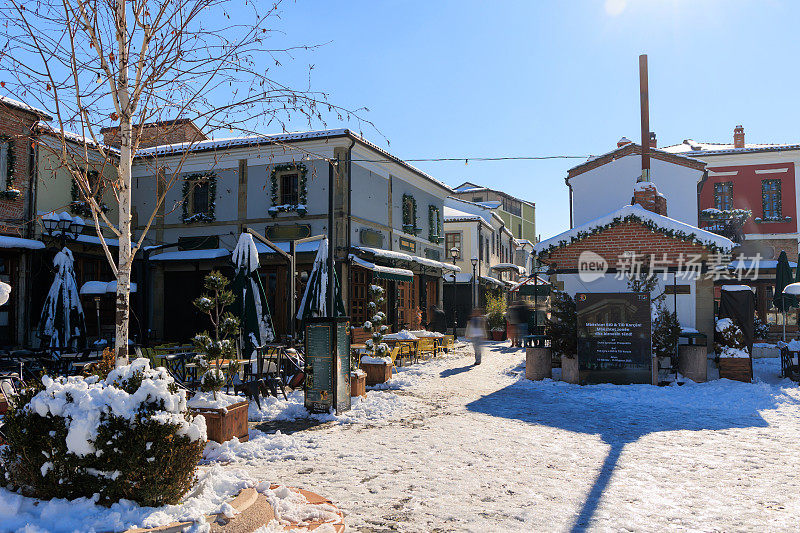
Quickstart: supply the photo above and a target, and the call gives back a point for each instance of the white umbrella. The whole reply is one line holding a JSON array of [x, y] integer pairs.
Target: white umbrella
[[62, 324]]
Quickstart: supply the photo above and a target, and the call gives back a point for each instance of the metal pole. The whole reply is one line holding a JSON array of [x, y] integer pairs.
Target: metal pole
[[454, 302], [474, 287], [292, 274], [97, 307], [331, 241], [535, 300]]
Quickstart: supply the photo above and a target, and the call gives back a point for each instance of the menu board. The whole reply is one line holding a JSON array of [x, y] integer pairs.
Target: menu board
[[319, 361], [327, 364], [614, 337]]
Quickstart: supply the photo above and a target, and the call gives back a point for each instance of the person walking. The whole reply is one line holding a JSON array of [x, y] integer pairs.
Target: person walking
[[476, 333], [438, 320], [523, 316]]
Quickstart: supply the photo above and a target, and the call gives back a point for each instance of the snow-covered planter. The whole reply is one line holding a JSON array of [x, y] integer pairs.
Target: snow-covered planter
[[358, 382], [734, 359], [300, 209], [128, 436], [378, 369], [225, 415]]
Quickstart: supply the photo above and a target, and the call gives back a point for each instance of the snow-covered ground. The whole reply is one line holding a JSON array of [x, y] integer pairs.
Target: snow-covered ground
[[481, 449]]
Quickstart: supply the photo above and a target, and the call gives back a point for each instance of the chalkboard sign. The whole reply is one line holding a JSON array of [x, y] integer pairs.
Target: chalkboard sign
[[327, 359], [614, 337]]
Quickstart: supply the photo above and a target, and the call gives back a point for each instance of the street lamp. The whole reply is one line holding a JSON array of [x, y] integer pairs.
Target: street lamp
[[454, 254], [62, 226], [474, 282]]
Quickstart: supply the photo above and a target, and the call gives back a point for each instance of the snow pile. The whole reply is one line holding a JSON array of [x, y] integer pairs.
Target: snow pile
[[292, 508], [82, 402], [723, 323], [403, 335], [215, 487], [260, 447], [375, 360], [735, 288], [736, 353], [793, 345], [206, 400]]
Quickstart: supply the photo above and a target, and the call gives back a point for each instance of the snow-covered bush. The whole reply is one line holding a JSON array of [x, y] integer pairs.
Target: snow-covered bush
[[666, 332], [225, 326], [375, 324], [729, 339], [760, 328], [126, 436], [562, 325]]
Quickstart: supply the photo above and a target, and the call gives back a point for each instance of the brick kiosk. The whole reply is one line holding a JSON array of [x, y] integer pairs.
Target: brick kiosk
[[658, 243], [17, 152]]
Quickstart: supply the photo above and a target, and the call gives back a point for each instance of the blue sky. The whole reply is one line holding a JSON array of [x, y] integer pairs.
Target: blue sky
[[530, 78]]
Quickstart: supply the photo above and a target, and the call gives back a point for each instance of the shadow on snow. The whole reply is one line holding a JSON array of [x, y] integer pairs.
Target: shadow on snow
[[621, 414]]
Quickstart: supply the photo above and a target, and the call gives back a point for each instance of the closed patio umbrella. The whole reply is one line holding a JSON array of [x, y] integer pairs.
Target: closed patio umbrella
[[62, 324], [315, 297], [783, 277], [251, 305]]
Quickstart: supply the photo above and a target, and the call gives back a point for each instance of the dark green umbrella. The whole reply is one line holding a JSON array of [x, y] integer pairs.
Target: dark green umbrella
[[315, 297], [251, 305], [783, 277], [62, 324]]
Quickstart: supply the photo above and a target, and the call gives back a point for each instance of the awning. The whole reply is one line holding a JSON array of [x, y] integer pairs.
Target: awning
[[467, 278], [383, 272], [192, 255], [508, 267], [528, 281], [400, 256], [17, 242], [94, 239], [102, 287]]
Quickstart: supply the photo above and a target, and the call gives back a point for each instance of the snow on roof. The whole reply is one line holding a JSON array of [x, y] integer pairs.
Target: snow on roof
[[471, 210], [312, 246], [102, 287], [10, 102], [453, 215], [382, 269], [192, 255], [631, 146], [491, 204], [17, 242], [695, 148], [508, 266], [751, 263], [400, 256], [736, 288], [637, 212], [255, 140], [74, 137]]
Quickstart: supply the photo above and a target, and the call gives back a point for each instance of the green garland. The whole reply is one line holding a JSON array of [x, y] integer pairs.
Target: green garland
[[209, 216], [410, 214], [434, 224], [302, 193], [10, 193], [80, 207], [653, 227]]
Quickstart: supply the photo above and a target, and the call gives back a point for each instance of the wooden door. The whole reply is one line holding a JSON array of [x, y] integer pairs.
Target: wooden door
[[274, 280]]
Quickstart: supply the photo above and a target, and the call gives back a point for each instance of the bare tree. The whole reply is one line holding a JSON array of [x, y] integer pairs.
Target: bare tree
[[91, 63]]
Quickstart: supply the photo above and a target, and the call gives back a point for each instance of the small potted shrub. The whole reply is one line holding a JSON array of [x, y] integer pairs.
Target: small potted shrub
[[496, 317], [760, 329], [562, 328], [226, 415], [126, 435], [734, 359], [378, 365]]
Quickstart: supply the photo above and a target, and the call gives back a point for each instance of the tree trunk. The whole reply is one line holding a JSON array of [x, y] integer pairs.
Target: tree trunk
[[124, 183]]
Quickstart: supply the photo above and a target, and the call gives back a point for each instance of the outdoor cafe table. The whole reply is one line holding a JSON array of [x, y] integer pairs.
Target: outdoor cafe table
[[438, 338], [397, 339]]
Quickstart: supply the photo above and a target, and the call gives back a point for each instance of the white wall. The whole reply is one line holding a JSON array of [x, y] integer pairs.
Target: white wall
[[687, 315], [608, 187]]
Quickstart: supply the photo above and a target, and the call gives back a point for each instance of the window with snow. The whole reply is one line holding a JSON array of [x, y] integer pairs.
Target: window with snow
[[290, 188], [771, 199], [723, 195]]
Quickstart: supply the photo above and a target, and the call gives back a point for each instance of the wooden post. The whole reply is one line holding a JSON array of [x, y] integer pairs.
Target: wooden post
[[645, 112]]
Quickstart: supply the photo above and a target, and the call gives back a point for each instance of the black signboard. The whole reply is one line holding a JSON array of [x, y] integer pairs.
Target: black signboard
[[614, 337], [327, 364]]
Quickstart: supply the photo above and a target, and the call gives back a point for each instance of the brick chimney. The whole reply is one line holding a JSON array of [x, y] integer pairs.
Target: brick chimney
[[738, 136], [646, 195], [622, 142], [157, 133], [653, 143]]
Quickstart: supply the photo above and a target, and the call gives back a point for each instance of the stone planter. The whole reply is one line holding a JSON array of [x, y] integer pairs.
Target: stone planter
[[224, 424], [569, 370], [377, 373], [358, 385], [538, 363], [736, 368], [693, 362]]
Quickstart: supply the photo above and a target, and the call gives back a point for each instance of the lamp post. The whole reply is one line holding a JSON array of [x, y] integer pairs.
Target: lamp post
[[454, 255], [62, 226], [474, 282]]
